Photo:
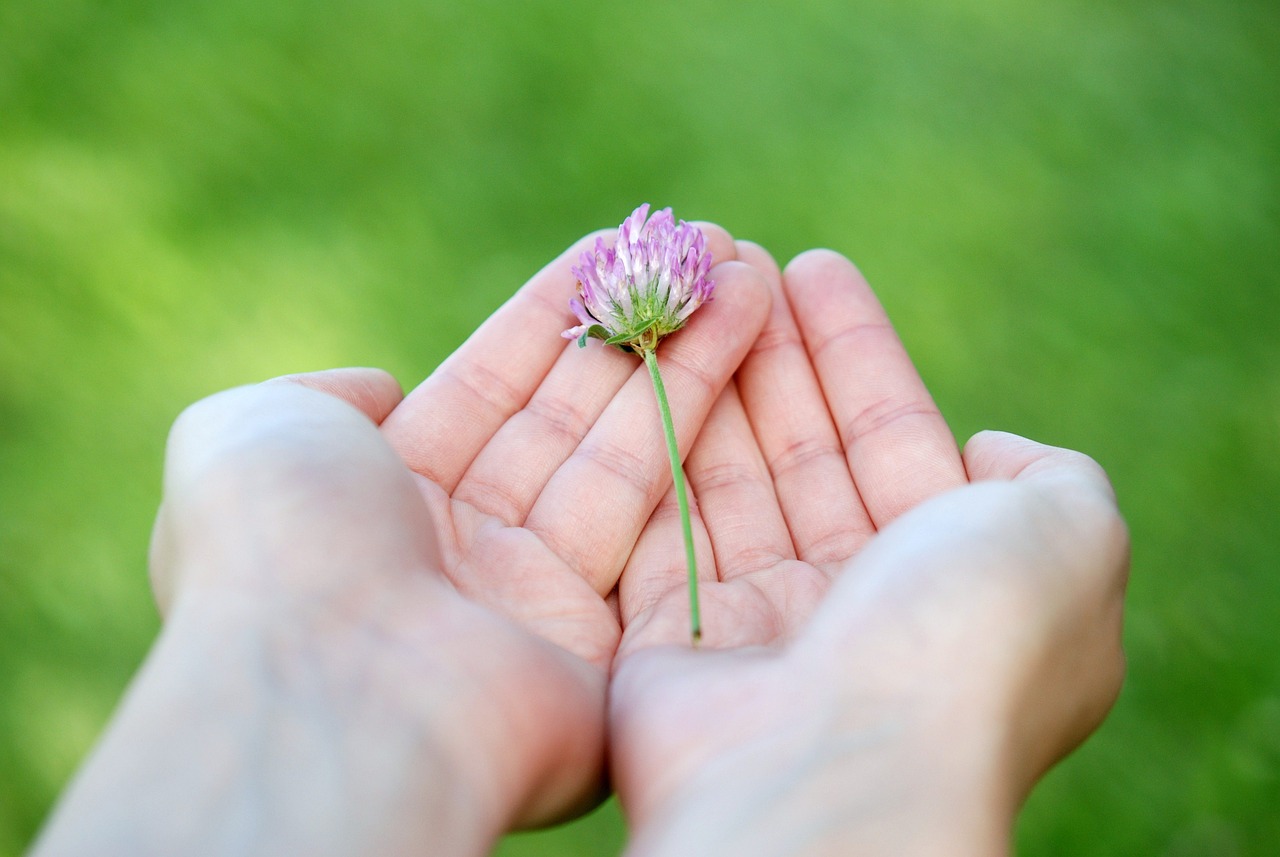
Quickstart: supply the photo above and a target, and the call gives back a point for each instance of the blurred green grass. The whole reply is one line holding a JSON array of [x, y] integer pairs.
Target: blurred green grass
[[1071, 209]]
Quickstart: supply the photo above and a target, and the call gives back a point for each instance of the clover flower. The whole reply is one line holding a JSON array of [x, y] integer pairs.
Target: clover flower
[[632, 295], [643, 287]]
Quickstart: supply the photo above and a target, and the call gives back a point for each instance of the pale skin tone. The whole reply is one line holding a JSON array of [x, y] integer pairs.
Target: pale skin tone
[[908, 636], [392, 622]]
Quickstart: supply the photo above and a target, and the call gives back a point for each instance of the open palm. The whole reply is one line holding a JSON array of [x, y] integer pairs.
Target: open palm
[[541, 462], [827, 435], [840, 571]]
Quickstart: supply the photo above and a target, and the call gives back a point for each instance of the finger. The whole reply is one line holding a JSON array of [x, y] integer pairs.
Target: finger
[[1072, 483], [594, 506], [994, 455], [899, 448], [440, 426], [720, 243], [372, 391], [659, 563], [759, 258], [785, 404], [736, 523], [510, 472], [739, 508]]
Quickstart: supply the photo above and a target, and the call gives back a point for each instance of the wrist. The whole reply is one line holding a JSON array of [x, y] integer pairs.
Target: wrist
[[475, 726], [245, 729], [487, 725]]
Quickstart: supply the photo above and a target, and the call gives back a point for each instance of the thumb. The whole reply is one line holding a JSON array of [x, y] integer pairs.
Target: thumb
[[996, 456]]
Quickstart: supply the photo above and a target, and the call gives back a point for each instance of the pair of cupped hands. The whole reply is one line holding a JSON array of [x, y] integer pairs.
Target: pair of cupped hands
[[405, 624]]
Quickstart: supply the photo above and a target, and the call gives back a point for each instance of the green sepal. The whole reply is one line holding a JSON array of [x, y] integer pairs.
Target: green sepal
[[628, 335], [596, 331]]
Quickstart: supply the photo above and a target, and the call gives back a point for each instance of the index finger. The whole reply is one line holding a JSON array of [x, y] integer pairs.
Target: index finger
[[372, 391], [443, 424]]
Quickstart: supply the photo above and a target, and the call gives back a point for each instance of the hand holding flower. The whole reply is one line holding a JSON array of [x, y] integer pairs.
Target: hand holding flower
[[387, 629], [900, 639], [392, 624]]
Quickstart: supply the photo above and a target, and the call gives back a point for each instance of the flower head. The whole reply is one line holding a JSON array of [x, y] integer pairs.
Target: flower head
[[643, 287]]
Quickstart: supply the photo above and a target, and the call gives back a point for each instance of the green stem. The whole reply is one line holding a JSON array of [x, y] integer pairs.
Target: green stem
[[682, 499]]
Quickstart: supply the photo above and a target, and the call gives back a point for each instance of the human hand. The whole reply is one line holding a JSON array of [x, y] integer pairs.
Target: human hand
[[540, 464], [319, 686], [386, 625], [898, 640]]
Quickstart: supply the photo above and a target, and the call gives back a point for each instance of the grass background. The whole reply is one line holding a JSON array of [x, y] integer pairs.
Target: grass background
[[1071, 209]]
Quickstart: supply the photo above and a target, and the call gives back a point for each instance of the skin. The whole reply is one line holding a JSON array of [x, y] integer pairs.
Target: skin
[[405, 625], [387, 628], [905, 637]]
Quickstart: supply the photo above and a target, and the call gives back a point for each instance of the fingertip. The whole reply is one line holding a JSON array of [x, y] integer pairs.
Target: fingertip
[[998, 455], [819, 261], [720, 334], [760, 259], [719, 241], [992, 454], [374, 392], [815, 279], [745, 287]]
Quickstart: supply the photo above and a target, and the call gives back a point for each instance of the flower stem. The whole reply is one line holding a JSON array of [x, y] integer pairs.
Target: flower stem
[[682, 499]]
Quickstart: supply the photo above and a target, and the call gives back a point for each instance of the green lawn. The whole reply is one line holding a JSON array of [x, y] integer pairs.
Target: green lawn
[[1072, 210]]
